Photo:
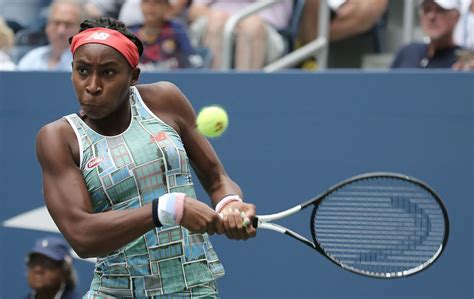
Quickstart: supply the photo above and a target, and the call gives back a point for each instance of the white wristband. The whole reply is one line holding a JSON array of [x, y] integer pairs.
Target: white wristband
[[227, 199], [170, 208]]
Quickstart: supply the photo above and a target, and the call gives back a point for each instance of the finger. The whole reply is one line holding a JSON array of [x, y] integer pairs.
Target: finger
[[219, 225], [234, 220], [227, 227], [239, 228], [211, 229]]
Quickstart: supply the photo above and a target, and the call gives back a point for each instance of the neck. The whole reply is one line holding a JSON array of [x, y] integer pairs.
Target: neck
[[115, 123], [435, 45]]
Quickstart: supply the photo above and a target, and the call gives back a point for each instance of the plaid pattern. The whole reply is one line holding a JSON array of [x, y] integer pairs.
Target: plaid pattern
[[128, 171], [208, 291]]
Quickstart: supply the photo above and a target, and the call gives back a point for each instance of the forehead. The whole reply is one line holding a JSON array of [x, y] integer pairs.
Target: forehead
[[98, 53]]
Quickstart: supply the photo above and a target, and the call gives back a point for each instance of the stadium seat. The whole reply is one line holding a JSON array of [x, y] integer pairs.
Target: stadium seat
[[291, 31]]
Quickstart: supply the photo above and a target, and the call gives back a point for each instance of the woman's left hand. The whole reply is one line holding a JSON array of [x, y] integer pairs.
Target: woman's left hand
[[237, 219]]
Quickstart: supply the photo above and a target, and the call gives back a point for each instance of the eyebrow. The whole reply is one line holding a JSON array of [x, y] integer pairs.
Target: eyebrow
[[104, 64]]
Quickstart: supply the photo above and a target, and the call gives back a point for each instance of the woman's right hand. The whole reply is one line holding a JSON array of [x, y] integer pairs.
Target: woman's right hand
[[200, 218]]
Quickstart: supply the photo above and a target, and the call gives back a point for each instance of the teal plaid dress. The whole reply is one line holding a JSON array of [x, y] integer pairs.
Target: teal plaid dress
[[128, 171]]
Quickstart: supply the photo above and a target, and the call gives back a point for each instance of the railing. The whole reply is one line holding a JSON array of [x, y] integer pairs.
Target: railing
[[318, 47], [227, 42], [408, 20]]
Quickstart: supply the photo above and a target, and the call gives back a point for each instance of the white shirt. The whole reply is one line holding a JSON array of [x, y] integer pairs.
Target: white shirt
[[6, 64], [464, 31], [37, 60]]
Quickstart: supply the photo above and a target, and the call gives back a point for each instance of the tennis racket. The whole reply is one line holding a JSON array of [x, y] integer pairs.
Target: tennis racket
[[383, 225]]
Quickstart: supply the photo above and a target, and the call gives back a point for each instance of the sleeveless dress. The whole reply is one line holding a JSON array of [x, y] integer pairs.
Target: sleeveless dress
[[128, 171]]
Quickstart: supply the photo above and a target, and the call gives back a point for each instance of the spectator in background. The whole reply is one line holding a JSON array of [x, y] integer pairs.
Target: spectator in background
[[131, 14], [50, 270], [6, 42], [166, 43], [63, 21], [438, 19], [257, 41], [103, 8], [352, 27], [464, 36], [464, 31]]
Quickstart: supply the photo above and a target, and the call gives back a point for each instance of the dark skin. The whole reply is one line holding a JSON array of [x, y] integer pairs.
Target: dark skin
[[45, 276], [101, 77]]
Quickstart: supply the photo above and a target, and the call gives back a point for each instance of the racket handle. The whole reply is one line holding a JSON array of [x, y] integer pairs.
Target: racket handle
[[255, 222]]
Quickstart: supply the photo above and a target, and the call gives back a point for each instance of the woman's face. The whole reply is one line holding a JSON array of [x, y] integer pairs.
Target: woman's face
[[44, 274], [101, 77], [154, 10]]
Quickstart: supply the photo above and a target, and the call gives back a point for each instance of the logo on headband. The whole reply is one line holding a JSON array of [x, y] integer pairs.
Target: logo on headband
[[98, 36]]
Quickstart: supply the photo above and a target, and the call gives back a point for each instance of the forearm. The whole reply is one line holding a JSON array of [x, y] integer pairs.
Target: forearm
[[94, 235], [356, 17], [225, 187]]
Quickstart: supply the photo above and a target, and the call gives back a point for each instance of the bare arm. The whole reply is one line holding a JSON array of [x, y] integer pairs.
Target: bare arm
[[197, 10], [355, 17], [68, 200], [212, 175]]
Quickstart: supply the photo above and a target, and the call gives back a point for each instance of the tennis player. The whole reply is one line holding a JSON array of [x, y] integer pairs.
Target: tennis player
[[117, 179]]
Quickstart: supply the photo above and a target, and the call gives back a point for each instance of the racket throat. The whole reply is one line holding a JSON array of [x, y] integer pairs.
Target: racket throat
[[300, 238]]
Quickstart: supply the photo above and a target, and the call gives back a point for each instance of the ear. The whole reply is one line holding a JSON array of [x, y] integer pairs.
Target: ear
[[135, 76]]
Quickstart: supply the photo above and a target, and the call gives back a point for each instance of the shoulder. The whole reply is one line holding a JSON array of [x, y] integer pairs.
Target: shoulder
[[168, 102], [32, 57], [409, 55], [57, 127], [55, 136], [163, 96], [175, 24], [162, 91], [413, 48], [34, 53]]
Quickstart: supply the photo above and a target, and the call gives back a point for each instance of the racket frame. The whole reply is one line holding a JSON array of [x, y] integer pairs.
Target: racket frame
[[264, 221]]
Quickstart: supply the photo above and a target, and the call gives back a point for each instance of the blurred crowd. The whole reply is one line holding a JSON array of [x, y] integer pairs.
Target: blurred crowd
[[189, 34]]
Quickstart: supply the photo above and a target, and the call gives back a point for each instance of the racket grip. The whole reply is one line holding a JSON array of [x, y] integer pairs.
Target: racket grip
[[255, 222]]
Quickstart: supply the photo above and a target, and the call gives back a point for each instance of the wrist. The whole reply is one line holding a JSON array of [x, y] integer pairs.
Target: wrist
[[168, 209], [226, 200]]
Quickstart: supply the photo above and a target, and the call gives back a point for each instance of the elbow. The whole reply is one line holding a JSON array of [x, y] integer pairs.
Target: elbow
[[82, 243], [82, 249]]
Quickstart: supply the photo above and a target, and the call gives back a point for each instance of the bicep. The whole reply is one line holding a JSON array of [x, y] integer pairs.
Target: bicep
[[64, 189]]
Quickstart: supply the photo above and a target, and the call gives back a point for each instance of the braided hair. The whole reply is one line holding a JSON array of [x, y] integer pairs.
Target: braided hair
[[111, 23]]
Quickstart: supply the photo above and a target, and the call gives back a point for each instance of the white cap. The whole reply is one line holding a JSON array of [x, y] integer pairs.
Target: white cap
[[335, 4], [447, 4]]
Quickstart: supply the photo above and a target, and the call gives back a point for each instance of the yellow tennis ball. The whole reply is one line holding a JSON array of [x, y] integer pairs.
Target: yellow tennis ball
[[212, 121]]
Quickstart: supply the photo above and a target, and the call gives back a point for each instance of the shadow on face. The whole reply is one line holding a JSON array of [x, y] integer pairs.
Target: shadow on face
[[437, 23]]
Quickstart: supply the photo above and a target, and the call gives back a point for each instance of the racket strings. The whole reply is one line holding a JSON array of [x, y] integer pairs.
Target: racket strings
[[380, 227]]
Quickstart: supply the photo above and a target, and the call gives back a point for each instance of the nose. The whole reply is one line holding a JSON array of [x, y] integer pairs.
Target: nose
[[94, 86], [37, 268]]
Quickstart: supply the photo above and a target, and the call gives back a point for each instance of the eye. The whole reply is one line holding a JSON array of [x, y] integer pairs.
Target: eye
[[109, 72], [81, 70]]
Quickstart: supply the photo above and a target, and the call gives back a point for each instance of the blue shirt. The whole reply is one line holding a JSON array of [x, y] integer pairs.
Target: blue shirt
[[171, 49], [37, 60], [415, 55]]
